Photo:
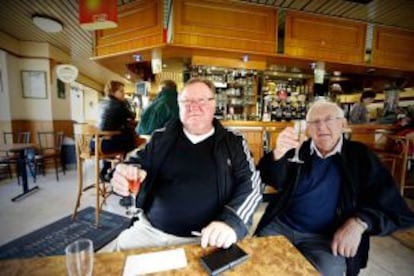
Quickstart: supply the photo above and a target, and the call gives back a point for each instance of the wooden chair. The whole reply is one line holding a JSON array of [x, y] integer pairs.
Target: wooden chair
[[392, 150], [50, 150], [84, 134]]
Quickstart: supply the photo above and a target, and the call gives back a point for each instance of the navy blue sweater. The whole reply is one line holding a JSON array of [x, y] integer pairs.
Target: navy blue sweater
[[315, 199]]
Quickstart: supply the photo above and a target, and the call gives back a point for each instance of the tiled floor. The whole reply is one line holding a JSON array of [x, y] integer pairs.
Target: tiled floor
[[56, 199]]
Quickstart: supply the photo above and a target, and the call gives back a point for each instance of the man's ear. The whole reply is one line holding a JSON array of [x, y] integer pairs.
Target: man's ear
[[344, 123]]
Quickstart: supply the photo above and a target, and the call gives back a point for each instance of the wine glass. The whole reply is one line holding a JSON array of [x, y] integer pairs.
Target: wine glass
[[134, 183], [299, 126], [79, 258]]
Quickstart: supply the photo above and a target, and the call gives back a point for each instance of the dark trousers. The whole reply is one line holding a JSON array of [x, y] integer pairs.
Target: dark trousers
[[316, 248]]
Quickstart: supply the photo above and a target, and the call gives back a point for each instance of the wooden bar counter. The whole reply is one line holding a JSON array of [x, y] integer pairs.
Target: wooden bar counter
[[268, 256], [364, 133]]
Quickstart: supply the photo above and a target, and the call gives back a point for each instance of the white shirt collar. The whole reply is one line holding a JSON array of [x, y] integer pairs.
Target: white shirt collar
[[335, 150], [195, 139]]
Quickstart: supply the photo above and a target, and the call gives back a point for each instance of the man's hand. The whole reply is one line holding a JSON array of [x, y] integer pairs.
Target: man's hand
[[122, 174], [347, 238], [287, 139], [218, 234]]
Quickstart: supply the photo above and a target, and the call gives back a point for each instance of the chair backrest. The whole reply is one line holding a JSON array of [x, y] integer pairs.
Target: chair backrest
[[50, 141], [85, 134], [21, 137], [393, 152], [254, 137]]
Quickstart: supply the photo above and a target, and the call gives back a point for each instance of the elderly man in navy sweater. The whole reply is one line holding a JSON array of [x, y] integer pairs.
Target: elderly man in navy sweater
[[330, 204]]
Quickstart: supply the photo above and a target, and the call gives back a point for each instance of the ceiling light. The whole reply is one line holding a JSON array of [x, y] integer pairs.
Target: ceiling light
[[47, 24]]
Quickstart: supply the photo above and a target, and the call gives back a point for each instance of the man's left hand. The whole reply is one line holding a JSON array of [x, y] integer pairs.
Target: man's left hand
[[347, 238], [218, 234]]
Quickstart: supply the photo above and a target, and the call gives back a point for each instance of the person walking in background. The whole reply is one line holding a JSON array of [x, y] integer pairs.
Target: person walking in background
[[330, 205], [359, 112], [200, 176], [162, 109], [115, 113]]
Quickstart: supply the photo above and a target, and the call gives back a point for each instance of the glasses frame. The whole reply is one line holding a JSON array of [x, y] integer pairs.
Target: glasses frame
[[199, 101], [328, 121]]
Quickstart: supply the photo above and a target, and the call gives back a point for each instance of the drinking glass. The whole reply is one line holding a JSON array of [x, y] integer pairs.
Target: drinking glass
[[79, 258], [134, 183], [299, 126]]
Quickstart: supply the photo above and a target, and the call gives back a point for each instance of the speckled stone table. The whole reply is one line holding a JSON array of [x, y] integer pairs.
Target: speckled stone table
[[268, 256]]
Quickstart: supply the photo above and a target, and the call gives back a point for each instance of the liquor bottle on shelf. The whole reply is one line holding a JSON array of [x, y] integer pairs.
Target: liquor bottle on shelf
[[287, 112]]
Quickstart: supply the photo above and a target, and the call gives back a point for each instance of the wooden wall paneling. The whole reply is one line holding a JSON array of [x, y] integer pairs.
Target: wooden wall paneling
[[393, 48], [140, 26], [34, 126], [225, 25], [64, 125], [324, 38]]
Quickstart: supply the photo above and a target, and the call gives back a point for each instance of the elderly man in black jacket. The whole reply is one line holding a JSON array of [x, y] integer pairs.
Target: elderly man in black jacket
[[330, 204], [199, 177]]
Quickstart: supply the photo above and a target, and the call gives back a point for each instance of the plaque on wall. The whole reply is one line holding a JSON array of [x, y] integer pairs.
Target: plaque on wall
[[34, 84]]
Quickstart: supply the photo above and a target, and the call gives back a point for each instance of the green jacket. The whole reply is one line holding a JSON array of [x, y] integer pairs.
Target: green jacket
[[161, 110]]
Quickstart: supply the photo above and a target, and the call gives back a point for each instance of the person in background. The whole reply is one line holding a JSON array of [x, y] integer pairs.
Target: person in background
[[330, 205], [359, 113], [406, 122], [200, 176], [162, 109], [115, 114]]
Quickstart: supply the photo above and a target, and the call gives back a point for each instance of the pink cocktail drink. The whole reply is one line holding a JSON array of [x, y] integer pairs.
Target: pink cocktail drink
[[134, 186]]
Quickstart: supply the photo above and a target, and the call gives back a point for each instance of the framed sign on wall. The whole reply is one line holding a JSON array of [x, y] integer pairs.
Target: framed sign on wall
[[34, 84], [61, 93]]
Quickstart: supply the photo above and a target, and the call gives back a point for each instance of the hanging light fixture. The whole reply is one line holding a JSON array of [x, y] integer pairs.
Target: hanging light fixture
[[47, 24], [98, 14]]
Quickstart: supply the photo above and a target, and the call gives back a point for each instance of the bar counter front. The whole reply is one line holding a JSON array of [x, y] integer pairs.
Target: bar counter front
[[262, 136], [267, 256]]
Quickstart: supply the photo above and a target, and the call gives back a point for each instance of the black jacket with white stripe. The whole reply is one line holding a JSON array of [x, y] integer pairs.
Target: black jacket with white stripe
[[238, 180]]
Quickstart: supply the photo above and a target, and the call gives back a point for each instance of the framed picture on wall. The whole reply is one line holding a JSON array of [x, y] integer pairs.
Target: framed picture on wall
[[61, 93], [34, 84]]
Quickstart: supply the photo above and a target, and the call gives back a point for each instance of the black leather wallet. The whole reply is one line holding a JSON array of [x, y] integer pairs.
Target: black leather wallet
[[223, 259]]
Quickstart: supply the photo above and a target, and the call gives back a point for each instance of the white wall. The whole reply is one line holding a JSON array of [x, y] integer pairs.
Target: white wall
[[60, 106], [84, 103], [29, 108], [5, 114]]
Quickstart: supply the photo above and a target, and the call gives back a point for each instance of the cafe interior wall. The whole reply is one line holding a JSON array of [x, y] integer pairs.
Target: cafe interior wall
[[22, 55], [5, 116]]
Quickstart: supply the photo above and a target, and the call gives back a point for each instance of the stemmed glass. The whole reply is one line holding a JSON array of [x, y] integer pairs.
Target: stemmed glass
[[79, 258], [299, 126], [134, 183]]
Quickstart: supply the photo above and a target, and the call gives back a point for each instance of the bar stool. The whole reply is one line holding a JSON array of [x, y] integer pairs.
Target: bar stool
[[84, 134]]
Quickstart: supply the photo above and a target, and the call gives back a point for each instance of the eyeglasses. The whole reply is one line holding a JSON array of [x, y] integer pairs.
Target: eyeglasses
[[329, 121], [200, 101]]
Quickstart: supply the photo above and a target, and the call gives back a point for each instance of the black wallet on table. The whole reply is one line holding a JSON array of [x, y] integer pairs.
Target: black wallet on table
[[223, 259]]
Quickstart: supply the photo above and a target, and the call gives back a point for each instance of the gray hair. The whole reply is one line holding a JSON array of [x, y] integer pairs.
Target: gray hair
[[207, 82], [325, 103]]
